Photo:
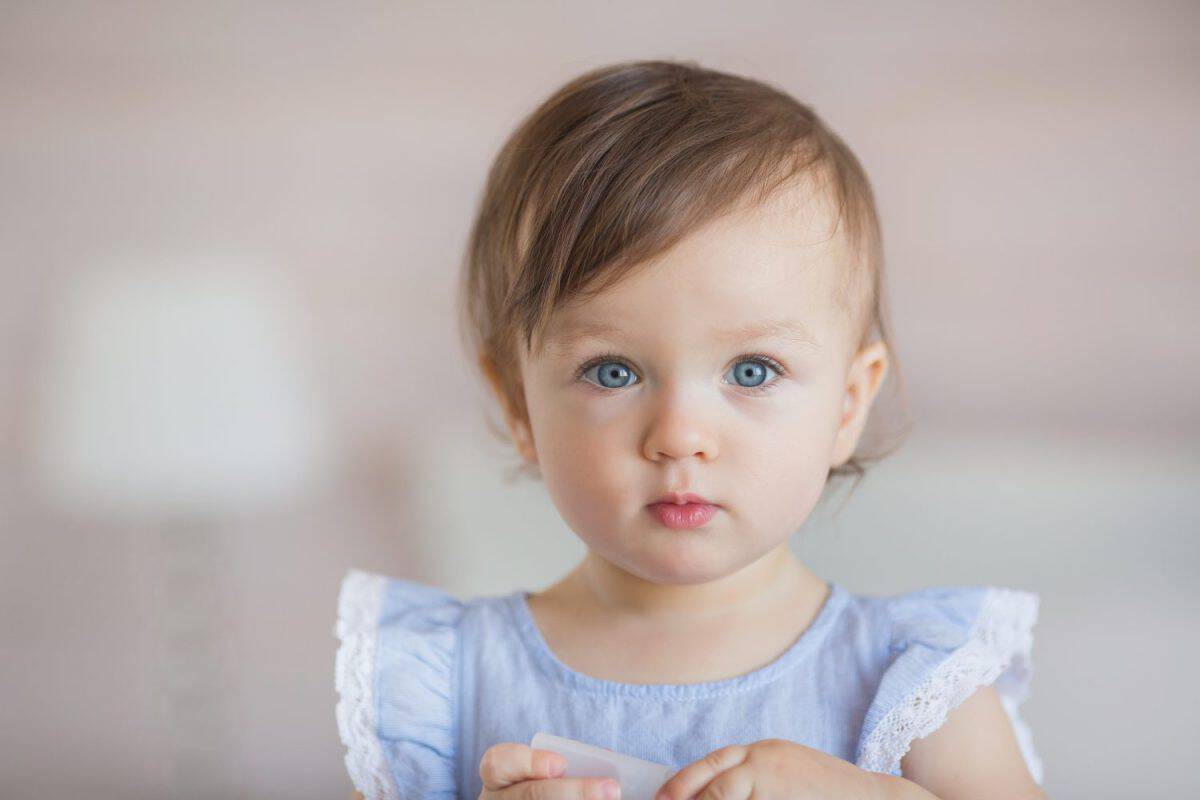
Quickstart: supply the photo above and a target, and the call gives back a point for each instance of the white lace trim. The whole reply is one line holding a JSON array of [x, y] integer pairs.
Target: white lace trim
[[359, 605], [1003, 630]]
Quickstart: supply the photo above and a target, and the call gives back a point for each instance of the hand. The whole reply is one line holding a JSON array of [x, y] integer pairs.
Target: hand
[[512, 771], [773, 769]]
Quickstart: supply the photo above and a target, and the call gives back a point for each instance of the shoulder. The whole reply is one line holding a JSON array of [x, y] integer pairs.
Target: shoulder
[[973, 753], [944, 644], [945, 617], [394, 676]]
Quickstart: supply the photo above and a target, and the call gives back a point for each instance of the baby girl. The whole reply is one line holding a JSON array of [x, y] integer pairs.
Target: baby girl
[[674, 286]]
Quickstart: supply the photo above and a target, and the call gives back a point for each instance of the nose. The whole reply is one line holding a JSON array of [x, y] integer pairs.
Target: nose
[[680, 429]]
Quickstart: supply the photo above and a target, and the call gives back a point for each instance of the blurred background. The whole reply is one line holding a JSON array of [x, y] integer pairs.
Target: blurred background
[[229, 367]]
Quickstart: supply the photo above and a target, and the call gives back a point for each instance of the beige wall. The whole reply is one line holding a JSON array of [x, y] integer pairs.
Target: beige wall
[[1035, 168]]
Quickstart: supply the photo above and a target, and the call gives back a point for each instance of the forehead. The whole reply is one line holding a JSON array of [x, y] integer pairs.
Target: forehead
[[766, 270]]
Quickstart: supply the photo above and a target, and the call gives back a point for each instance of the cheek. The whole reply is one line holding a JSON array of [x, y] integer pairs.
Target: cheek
[[784, 473], [800, 437], [585, 461], [579, 435]]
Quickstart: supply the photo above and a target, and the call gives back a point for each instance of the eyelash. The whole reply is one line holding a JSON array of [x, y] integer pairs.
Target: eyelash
[[760, 358]]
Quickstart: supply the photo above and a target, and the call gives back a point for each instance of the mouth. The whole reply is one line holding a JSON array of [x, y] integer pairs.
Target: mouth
[[683, 511]]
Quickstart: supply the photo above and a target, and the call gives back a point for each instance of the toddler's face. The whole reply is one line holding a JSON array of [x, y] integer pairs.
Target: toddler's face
[[684, 403]]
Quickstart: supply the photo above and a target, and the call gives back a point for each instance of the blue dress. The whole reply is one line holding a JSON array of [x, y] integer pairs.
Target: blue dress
[[427, 682]]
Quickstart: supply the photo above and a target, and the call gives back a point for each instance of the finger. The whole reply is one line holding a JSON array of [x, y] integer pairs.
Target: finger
[[559, 789], [733, 784], [507, 763], [697, 775]]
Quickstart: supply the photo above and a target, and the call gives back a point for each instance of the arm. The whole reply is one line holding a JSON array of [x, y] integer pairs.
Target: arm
[[357, 796], [973, 755]]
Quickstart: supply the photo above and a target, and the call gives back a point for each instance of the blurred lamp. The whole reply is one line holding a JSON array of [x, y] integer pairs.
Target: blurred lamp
[[173, 392], [178, 396]]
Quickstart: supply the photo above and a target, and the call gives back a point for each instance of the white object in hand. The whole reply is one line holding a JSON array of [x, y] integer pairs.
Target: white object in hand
[[640, 780]]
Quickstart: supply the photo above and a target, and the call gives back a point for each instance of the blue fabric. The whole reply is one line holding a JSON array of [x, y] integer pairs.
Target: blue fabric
[[451, 677]]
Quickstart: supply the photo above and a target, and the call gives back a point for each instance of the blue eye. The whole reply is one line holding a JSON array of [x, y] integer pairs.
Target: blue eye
[[612, 373], [753, 370]]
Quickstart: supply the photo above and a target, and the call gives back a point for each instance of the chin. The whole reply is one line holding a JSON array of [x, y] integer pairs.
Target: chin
[[681, 568]]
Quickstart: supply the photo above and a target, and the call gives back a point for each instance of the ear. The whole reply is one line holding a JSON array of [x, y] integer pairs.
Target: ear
[[518, 426], [863, 381]]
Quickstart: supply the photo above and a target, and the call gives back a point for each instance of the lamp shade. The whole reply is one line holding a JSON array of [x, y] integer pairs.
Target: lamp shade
[[175, 390]]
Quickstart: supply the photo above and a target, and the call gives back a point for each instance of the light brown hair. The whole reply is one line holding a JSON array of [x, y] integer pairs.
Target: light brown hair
[[617, 166]]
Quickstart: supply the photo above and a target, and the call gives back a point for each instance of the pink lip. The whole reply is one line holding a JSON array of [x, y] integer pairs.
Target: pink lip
[[680, 499], [686, 515]]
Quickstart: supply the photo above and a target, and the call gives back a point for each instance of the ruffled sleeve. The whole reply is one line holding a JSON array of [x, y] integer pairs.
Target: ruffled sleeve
[[945, 643], [395, 677]]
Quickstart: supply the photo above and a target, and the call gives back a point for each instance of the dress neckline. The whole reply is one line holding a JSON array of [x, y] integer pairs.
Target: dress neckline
[[806, 643]]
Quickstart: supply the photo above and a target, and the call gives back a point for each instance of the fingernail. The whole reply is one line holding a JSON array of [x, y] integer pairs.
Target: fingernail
[[557, 767]]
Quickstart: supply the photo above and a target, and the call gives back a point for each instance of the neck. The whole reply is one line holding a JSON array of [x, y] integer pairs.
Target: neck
[[775, 578]]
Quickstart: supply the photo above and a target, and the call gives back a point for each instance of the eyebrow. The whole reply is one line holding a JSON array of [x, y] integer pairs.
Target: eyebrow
[[788, 329]]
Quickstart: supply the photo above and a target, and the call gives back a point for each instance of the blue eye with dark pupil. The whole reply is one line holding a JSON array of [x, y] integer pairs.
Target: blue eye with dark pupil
[[611, 369], [753, 370]]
